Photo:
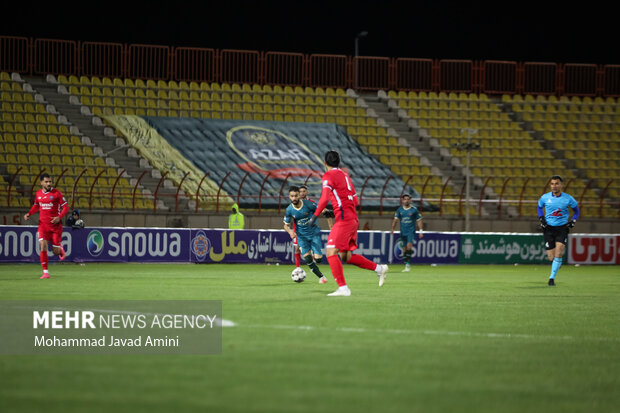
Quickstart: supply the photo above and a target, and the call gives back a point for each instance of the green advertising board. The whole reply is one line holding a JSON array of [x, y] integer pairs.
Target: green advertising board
[[502, 249]]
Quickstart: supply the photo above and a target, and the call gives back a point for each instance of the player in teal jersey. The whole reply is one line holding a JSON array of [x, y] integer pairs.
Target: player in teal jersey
[[308, 235], [410, 218], [555, 222]]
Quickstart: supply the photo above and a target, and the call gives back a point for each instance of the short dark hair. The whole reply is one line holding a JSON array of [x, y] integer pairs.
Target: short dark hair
[[557, 177], [45, 175], [303, 186], [404, 195], [332, 158], [293, 189]]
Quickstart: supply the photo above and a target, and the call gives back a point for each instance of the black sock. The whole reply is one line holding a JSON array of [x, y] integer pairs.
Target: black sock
[[407, 257], [313, 267]]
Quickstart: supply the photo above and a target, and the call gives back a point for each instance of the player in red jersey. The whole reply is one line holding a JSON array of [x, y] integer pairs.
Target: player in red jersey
[[53, 207], [339, 190]]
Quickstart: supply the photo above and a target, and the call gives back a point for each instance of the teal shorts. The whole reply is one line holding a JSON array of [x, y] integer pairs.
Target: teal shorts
[[407, 238], [313, 244]]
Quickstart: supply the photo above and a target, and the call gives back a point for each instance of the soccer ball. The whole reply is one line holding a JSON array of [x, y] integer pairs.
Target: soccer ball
[[79, 223], [298, 275]]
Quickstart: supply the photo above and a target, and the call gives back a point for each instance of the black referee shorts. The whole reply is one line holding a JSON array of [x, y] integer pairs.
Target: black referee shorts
[[555, 234]]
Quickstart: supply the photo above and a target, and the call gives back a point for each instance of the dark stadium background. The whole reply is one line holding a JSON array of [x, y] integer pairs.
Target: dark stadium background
[[549, 31]]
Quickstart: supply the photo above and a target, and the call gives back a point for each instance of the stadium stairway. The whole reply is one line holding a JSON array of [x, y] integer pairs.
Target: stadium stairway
[[108, 142], [441, 162]]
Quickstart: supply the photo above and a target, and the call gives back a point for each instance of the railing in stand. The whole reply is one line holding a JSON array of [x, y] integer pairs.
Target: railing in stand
[[362, 193], [461, 200], [62, 174], [521, 196], [402, 192], [382, 194], [260, 194], [428, 178], [8, 200], [588, 185], [135, 189], [74, 186], [219, 191], [161, 180], [241, 186], [90, 192], [501, 198], [198, 190], [118, 178], [280, 193], [486, 182], [443, 190], [600, 207], [176, 197]]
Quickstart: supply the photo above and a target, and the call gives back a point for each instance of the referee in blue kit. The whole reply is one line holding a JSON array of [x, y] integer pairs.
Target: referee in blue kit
[[553, 216]]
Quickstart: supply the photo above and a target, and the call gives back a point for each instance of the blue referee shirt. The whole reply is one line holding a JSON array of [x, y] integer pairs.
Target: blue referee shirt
[[556, 208]]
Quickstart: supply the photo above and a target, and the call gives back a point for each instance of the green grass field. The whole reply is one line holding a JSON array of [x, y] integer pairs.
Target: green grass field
[[437, 339]]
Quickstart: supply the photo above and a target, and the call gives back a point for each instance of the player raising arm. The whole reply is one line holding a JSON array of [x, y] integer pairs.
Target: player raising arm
[[555, 223], [338, 189], [52, 207]]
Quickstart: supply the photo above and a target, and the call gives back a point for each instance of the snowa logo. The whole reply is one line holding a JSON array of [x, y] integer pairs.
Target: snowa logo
[[94, 243], [398, 250], [201, 246]]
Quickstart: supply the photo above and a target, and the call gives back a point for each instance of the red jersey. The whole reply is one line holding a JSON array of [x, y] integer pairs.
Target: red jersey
[[338, 188], [50, 204]]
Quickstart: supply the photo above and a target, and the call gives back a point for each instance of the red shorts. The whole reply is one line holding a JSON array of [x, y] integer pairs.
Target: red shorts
[[343, 236], [51, 234]]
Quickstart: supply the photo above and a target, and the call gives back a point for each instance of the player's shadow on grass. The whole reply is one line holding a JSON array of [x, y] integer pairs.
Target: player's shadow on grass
[[535, 286]]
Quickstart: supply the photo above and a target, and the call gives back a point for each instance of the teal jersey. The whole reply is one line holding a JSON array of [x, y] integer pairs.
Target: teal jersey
[[556, 208], [300, 217], [408, 218]]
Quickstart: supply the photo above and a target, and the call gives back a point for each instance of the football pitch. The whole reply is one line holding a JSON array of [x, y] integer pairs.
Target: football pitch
[[436, 339]]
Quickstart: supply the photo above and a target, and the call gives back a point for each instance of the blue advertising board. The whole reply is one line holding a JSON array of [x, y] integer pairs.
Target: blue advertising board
[[193, 245]]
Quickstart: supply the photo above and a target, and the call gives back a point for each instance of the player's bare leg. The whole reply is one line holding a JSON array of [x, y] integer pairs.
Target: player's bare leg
[[365, 263], [59, 250], [297, 256], [44, 258]]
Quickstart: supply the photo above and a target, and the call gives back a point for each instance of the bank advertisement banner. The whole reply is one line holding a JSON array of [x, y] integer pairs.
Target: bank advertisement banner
[[594, 249], [111, 244]]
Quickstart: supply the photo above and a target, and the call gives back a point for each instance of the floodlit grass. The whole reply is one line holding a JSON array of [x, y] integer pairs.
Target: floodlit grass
[[437, 339]]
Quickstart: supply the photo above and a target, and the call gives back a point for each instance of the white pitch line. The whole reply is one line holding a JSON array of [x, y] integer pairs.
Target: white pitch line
[[435, 333]]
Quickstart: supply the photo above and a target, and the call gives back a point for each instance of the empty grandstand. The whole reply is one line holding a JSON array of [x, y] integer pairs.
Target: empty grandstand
[[138, 137]]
